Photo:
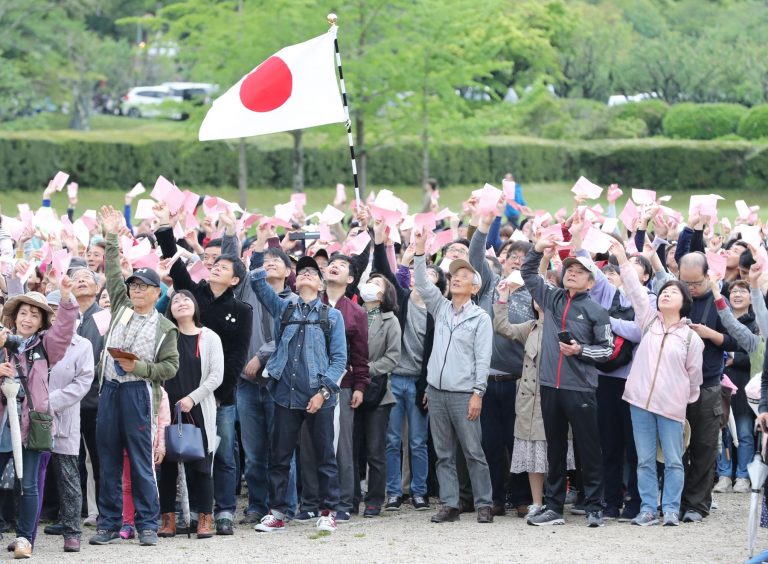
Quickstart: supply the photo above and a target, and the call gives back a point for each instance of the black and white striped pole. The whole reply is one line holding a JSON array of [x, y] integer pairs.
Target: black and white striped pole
[[332, 18]]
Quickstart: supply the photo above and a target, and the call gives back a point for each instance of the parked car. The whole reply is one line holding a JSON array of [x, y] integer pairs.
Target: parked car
[[200, 92], [145, 101]]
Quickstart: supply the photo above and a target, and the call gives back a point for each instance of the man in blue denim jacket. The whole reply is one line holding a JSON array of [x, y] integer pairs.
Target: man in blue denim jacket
[[305, 372]]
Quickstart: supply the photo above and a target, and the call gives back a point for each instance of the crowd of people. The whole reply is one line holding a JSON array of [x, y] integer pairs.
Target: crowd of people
[[494, 360]]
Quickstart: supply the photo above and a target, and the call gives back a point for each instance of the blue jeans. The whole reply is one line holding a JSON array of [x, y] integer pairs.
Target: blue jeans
[[224, 477], [404, 390], [647, 427], [256, 412], [744, 452], [124, 422], [27, 516]]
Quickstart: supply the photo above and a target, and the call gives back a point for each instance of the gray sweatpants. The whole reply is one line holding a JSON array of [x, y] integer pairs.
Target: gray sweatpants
[[449, 425]]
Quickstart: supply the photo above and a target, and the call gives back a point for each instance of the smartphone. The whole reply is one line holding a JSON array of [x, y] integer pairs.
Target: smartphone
[[565, 337]]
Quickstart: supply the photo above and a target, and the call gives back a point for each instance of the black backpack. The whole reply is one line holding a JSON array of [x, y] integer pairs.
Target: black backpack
[[622, 349], [287, 319]]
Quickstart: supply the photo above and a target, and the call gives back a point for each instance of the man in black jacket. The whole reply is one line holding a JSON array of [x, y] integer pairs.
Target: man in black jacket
[[231, 319], [576, 334]]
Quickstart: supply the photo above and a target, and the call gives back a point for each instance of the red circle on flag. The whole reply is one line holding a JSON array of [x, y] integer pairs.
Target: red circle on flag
[[268, 87]]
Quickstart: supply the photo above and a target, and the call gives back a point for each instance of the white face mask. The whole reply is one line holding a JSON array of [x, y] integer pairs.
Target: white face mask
[[370, 292]]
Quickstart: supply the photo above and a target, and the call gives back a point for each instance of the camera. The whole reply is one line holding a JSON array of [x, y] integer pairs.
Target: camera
[[303, 235], [12, 342]]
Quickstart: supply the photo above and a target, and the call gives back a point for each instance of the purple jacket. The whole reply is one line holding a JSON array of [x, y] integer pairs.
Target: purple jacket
[[56, 340], [70, 381]]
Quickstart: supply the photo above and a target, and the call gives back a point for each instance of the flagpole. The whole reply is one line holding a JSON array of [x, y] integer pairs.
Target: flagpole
[[332, 18]]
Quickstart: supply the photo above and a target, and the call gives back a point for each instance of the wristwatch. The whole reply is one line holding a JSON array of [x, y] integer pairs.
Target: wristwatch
[[478, 393], [325, 392]]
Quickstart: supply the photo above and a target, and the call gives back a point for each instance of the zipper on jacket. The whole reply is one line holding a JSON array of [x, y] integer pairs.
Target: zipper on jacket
[[442, 368], [656, 372], [560, 360]]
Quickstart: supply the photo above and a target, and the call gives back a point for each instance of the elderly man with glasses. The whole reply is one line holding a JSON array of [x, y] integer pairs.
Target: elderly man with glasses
[[140, 354], [305, 372]]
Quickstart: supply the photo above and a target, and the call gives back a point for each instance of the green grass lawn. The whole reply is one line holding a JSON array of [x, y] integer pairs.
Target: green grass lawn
[[550, 197]]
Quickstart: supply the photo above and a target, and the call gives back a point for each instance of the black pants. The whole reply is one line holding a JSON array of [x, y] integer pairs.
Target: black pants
[[88, 440], [579, 409], [704, 417], [617, 442], [370, 444], [199, 486]]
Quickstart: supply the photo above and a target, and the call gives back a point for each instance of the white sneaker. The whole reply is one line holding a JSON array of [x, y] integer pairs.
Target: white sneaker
[[327, 522], [723, 485], [742, 485], [270, 524], [23, 548], [91, 521], [533, 509]]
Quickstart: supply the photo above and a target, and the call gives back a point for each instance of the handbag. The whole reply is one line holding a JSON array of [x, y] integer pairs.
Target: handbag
[[183, 441], [40, 432], [374, 392]]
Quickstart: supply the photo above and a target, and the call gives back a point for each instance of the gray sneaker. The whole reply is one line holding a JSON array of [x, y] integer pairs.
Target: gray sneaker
[[105, 537], [692, 516], [670, 519], [545, 517], [595, 519], [148, 538], [645, 519]]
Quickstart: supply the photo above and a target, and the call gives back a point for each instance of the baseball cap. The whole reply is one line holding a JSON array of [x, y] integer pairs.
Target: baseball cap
[[308, 262], [584, 262], [458, 264], [53, 298], [146, 275]]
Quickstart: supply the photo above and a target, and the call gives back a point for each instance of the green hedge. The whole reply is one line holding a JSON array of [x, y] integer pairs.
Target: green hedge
[[702, 121], [691, 165], [651, 112], [754, 124]]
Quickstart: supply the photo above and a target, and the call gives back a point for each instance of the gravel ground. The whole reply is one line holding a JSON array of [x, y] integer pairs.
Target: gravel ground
[[408, 536]]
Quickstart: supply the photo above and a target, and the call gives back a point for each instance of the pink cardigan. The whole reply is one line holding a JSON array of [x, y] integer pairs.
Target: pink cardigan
[[163, 420], [666, 372]]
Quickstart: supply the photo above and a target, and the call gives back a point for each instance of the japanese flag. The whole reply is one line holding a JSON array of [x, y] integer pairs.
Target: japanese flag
[[295, 88]]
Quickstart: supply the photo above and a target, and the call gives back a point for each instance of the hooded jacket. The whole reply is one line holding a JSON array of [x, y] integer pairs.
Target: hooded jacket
[[587, 322]]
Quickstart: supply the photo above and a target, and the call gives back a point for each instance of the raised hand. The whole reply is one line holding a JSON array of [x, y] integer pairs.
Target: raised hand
[[112, 219]]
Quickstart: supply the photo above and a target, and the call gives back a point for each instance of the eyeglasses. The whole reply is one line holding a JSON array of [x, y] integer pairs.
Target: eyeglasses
[[739, 290], [516, 258], [459, 249], [308, 272], [696, 284], [138, 286]]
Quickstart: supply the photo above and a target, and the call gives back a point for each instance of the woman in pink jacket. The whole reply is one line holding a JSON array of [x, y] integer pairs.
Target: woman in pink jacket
[[664, 380]]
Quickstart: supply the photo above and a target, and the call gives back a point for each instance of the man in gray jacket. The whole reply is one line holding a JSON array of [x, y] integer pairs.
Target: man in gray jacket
[[457, 375]]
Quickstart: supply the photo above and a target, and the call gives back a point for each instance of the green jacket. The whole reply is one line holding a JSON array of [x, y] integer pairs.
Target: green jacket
[[166, 362]]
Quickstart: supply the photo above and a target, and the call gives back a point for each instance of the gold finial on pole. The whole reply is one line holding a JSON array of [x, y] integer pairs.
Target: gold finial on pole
[[331, 18]]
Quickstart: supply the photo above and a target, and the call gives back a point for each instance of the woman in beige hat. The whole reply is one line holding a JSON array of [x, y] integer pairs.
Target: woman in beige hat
[[31, 347]]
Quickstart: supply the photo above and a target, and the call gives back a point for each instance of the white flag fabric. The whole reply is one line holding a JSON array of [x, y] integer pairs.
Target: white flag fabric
[[295, 88]]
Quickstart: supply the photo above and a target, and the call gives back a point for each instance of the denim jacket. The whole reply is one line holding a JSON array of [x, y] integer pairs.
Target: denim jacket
[[322, 370]]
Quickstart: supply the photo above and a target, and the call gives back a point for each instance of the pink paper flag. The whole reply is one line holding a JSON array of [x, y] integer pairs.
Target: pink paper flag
[[751, 235], [358, 243], [66, 225], [60, 263], [325, 234], [72, 190], [762, 258], [333, 248], [614, 192], [490, 252], [555, 231], [276, 221], [126, 244], [673, 214], [643, 197], [211, 206], [144, 209], [609, 225], [191, 222], [445, 213], [27, 218], [82, 232], [60, 180], [198, 272], [586, 189], [726, 223], [90, 219], [488, 197], [717, 263], [743, 209], [331, 215], [629, 214], [341, 195], [137, 190], [24, 276], [508, 187], [147, 261], [23, 208], [250, 219], [704, 205], [13, 226], [426, 220], [440, 240], [595, 241], [285, 211], [165, 191], [178, 231], [46, 254], [390, 217], [102, 319], [190, 202], [299, 201], [135, 252]]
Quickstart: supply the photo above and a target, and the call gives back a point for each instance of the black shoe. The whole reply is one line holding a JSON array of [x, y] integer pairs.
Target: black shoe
[[420, 503], [466, 507], [446, 515], [55, 529], [595, 519], [224, 527], [250, 519], [372, 511], [611, 513], [148, 538], [545, 517], [578, 508], [105, 537], [393, 503], [629, 512]]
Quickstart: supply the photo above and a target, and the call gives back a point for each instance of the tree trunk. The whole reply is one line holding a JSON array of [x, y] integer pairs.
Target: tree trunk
[[360, 154], [298, 161], [81, 110], [242, 174]]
